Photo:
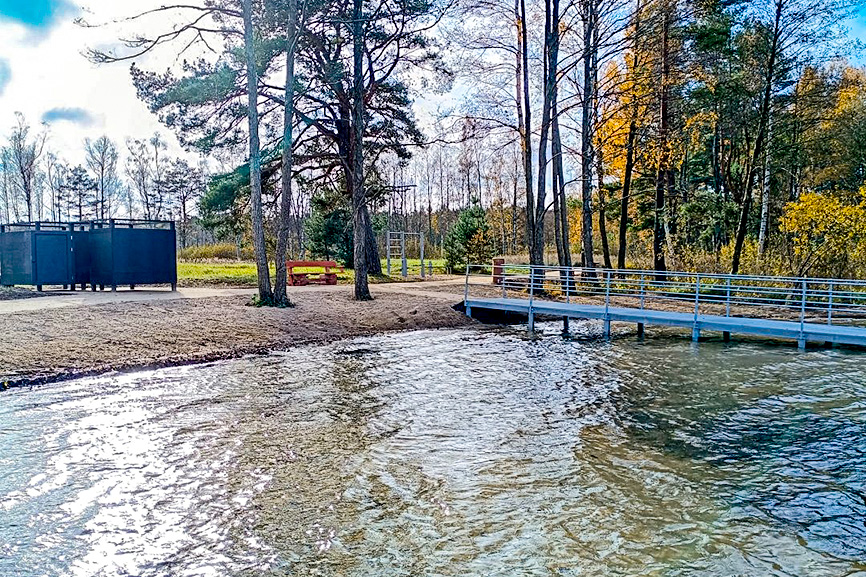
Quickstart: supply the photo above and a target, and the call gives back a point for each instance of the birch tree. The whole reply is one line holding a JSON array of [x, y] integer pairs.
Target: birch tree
[[24, 153], [101, 158]]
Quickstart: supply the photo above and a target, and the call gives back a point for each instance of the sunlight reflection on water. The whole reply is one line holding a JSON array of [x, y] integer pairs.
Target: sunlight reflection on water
[[445, 453]]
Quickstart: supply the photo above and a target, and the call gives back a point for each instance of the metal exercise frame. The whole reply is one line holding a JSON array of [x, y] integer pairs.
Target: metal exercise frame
[[396, 248]]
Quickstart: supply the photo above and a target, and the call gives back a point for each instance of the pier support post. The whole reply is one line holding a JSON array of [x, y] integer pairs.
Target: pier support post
[[607, 329], [801, 343], [726, 336], [696, 334], [469, 311], [565, 325], [531, 323], [640, 330]]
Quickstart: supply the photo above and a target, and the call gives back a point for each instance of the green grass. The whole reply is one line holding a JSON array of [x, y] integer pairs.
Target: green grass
[[216, 273], [414, 264], [230, 273]]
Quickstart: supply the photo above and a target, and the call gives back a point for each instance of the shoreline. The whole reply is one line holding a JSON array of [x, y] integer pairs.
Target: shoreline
[[190, 360], [58, 344]]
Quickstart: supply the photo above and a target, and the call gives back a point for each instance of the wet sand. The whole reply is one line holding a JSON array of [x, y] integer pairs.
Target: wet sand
[[39, 345]]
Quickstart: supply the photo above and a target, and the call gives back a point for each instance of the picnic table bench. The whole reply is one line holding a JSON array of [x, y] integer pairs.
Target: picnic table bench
[[328, 277]]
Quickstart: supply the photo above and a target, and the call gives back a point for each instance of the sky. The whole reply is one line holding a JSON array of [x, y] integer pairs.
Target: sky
[[45, 76]]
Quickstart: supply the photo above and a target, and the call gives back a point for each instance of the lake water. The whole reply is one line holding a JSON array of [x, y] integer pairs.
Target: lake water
[[465, 452]]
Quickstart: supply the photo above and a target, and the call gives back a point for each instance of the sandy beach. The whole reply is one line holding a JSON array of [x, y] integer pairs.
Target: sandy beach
[[59, 337]]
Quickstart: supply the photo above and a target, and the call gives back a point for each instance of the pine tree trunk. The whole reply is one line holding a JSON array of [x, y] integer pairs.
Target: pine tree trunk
[[281, 281], [262, 269], [514, 215], [602, 211], [586, 135], [626, 193], [183, 222], [659, 263], [524, 115], [629, 153], [765, 194], [551, 46], [359, 201], [758, 151], [559, 190], [557, 218], [374, 263]]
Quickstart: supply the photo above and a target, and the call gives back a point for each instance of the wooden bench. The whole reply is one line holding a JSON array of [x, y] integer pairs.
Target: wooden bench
[[329, 277]]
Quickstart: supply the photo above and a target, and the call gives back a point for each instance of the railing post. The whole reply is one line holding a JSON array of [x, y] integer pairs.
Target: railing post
[[607, 305], [830, 305], [642, 293], [568, 275], [801, 342], [388, 251], [466, 294], [696, 331], [531, 319], [728, 298]]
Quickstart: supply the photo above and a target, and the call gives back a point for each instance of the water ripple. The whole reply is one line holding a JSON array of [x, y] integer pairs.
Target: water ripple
[[446, 453]]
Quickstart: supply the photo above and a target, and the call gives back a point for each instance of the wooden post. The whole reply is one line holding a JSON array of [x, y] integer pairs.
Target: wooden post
[[498, 271]]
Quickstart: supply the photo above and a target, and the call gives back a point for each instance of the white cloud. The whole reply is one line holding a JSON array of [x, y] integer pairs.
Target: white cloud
[[5, 74], [50, 72]]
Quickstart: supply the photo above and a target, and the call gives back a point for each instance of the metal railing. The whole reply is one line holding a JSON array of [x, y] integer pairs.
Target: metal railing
[[814, 300]]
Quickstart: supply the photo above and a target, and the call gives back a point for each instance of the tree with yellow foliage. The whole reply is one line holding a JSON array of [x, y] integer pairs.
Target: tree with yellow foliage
[[829, 234]]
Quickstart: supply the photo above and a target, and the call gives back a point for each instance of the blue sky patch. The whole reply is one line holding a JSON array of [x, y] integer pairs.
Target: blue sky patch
[[73, 115], [34, 13], [5, 75]]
